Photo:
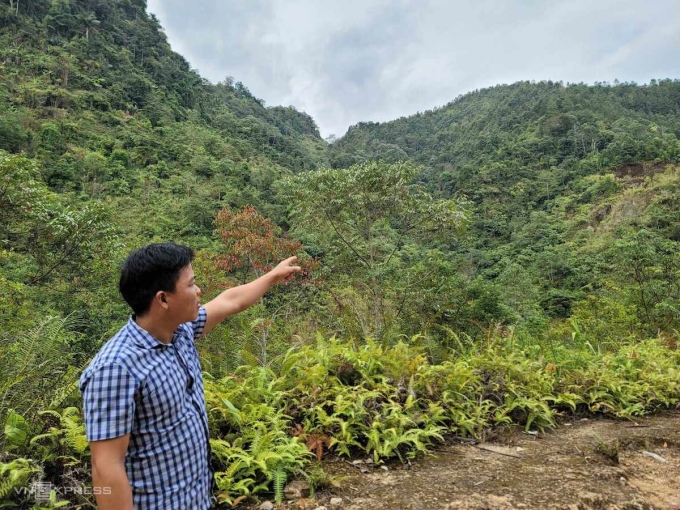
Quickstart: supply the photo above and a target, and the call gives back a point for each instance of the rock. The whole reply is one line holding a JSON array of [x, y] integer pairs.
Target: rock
[[361, 504], [297, 490], [357, 462], [654, 456], [590, 499], [336, 501], [501, 450], [384, 468], [477, 501], [320, 508], [267, 505]]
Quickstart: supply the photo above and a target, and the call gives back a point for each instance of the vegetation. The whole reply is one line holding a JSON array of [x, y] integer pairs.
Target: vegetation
[[563, 182], [502, 261], [359, 398]]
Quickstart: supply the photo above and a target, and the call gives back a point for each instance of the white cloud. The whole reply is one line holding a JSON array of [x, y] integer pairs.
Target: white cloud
[[357, 60]]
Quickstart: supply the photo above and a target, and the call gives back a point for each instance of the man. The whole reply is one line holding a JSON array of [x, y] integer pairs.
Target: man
[[144, 406]]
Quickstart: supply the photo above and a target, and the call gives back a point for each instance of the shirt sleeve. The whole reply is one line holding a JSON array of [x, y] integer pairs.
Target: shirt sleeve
[[108, 402], [198, 325]]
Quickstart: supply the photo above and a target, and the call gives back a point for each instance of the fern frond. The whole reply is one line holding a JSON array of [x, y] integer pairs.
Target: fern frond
[[16, 474], [279, 478]]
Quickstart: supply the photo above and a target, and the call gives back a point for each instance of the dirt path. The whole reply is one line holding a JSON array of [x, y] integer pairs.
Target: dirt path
[[557, 470]]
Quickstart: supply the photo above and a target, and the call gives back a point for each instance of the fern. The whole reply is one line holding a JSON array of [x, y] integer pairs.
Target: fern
[[267, 425], [16, 474], [35, 364], [279, 478], [68, 441]]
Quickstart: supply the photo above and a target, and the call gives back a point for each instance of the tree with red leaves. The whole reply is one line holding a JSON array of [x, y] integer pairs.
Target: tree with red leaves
[[254, 244]]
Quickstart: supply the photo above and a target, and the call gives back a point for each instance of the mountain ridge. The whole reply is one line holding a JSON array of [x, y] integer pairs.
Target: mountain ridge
[[93, 93]]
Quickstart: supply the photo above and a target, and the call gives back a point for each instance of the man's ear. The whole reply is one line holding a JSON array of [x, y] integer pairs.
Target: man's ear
[[162, 299]]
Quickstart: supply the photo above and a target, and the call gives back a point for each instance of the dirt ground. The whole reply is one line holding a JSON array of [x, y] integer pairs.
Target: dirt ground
[[562, 469]]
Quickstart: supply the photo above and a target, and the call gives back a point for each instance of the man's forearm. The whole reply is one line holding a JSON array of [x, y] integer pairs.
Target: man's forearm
[[112, 488], [248, 294], [239, 298]]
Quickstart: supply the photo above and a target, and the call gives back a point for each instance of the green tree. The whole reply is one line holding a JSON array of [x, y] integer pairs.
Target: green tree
[[650, 268], [58, 238], [363, 218]]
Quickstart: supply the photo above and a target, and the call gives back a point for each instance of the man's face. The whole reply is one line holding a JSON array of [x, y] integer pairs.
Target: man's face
[[186, 299]]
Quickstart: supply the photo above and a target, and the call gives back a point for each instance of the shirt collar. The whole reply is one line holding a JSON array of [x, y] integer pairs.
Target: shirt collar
[[142, 338]]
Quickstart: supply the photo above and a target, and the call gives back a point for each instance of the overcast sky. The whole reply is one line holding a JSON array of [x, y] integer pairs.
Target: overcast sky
[[359, 60]]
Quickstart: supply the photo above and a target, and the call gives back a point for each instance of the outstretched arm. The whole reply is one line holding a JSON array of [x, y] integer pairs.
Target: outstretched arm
[[237, 299]]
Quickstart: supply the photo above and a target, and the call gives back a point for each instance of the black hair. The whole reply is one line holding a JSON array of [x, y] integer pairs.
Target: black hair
[[151, 269]]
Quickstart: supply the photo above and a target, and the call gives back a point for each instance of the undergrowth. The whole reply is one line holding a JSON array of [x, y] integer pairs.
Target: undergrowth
[[356, 399], [352, 398]]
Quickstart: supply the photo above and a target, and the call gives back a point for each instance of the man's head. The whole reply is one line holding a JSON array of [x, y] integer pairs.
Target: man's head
[[160, 276]]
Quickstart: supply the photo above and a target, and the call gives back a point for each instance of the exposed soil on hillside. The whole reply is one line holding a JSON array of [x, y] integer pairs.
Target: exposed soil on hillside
[[562, 469], [636, 172]]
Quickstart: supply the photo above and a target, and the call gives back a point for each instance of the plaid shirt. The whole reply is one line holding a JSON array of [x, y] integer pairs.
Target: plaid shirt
[[154, 391]]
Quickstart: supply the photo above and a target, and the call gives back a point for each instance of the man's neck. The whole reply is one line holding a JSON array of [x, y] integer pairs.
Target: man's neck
[[161, 331]]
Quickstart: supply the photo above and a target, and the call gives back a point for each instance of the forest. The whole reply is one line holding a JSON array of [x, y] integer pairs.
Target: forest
[[501, 261]]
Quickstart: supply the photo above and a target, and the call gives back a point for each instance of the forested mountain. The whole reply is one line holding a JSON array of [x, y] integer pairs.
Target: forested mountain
[[93, 91], [94, 95], [504, 259], [570, 186], [120, 143]]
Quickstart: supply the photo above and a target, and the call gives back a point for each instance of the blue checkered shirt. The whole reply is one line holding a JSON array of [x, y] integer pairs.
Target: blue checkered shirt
[[154, 391]]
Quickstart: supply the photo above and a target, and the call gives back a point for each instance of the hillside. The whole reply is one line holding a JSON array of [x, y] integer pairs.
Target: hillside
[[555, 180], [504, 262], [558, 178], [108, 141], [93, 92]]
